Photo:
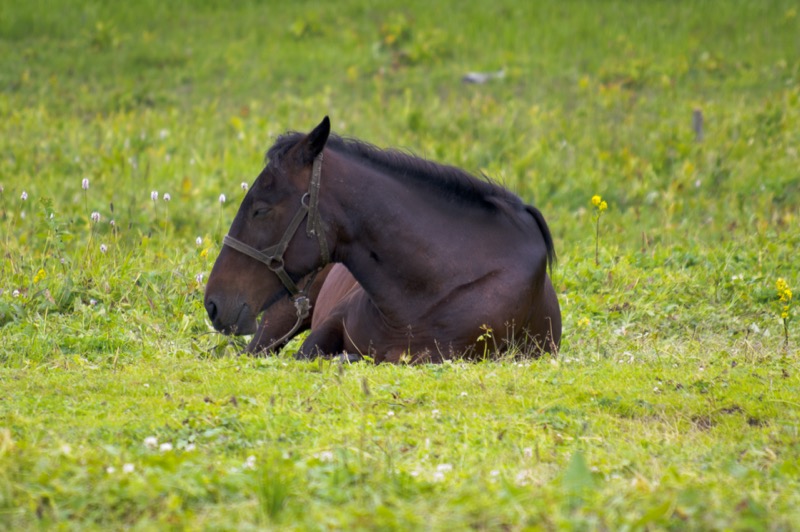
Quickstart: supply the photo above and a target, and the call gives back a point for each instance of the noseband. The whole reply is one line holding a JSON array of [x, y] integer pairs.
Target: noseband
[[272, 256]]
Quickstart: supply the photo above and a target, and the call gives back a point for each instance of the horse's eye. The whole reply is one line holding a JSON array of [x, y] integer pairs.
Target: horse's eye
[[261, 211]]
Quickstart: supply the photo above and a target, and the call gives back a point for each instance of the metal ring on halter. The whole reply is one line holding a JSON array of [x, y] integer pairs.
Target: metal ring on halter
[[275, 263]]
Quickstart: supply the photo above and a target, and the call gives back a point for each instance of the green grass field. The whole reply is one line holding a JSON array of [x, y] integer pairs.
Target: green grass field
[[674, 402]]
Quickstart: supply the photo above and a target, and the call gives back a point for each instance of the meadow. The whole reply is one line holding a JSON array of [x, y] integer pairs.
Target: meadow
[[127, 130]]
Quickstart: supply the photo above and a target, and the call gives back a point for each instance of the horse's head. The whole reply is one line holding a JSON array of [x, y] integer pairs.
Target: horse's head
[[276, 238]]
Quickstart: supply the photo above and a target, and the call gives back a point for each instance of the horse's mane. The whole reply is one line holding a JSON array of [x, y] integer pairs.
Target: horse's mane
[[452, 182]]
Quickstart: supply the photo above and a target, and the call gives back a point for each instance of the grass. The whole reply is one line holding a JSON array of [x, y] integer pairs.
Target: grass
[[673, 402]]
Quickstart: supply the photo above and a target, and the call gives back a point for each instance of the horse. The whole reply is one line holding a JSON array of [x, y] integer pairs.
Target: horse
[[279, 324], [445, 261]]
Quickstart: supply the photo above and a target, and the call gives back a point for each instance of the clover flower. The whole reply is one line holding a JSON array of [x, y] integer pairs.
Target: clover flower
[[598, 202], [95, 216]]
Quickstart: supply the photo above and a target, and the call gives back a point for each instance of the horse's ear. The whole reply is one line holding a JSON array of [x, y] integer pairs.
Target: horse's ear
[[315, 141]]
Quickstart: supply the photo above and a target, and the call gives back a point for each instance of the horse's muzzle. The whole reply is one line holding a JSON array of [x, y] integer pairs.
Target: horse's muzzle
[[236, 321]]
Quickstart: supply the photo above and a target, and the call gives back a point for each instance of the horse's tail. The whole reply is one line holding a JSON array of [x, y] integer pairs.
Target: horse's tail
[[548, 238]]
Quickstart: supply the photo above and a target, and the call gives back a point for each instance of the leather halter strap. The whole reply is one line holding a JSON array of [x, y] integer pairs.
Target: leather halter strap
[[272, 256]]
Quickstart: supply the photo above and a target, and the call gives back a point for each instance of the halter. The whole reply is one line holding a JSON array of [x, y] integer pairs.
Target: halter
[[272, 256]]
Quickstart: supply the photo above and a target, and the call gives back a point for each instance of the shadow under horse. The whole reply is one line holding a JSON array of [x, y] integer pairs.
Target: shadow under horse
[[441, 257]]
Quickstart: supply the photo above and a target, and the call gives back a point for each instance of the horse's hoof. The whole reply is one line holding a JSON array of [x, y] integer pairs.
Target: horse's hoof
[[348, 358]]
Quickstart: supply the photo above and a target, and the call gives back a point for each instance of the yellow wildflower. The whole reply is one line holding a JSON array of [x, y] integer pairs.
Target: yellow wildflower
[[603, 206], [41, 274], [596, 200], [784, 292]]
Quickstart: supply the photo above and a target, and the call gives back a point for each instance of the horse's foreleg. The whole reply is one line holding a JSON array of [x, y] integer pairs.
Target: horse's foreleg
[[325, 340]]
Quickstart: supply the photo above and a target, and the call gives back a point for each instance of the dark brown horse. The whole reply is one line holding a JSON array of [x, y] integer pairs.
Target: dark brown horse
[[441, 257]]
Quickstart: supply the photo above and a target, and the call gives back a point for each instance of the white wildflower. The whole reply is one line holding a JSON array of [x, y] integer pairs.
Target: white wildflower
[[23, 196], [154, 195], [167, 197], [151, 442], [527, 452], [222, 198], [95, 216], [244, 186], [85, 183], [165, 447], [127, 468], [325, 456], [199, 241]]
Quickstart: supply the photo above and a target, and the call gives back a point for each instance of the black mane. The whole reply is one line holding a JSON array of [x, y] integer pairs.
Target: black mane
[[452, 182], [448, 179]]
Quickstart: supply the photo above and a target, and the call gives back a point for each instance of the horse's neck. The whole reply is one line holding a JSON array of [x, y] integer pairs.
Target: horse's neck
[[400, 241]]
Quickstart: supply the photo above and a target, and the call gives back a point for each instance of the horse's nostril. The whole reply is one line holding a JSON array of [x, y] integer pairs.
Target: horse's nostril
[[211, 308]]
